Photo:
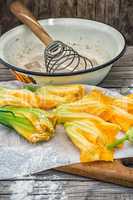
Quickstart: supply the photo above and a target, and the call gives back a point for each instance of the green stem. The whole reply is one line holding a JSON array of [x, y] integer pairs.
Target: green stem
[[9, 119], [117, 142], [31, 88]]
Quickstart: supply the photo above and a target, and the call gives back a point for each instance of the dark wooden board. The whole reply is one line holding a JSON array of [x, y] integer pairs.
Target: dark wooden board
[[113, 172], [118, 13]]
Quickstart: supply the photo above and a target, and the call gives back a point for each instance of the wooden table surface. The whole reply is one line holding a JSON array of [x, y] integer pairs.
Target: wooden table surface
[[53, 185]]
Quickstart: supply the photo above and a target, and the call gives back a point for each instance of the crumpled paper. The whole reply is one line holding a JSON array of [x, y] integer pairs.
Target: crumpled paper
[[18, 157]]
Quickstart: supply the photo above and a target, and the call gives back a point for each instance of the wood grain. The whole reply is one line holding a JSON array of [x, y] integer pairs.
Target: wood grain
[[63, 8], [86, 9], [126, 18], [41, 8], [112, 12], [118, 13], [74, 188], [113, 172], [25, 16], [100, 10]]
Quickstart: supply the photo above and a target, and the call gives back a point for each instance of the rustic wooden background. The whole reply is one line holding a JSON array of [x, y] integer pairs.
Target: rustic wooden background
[[118, 13]]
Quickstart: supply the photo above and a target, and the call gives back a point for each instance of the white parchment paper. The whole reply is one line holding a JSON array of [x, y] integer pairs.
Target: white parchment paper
[[18, 157]]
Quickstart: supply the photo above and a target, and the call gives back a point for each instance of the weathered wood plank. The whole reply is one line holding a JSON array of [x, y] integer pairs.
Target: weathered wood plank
[[109, 83], [127, 58], [83, 197], [120, 74], [126, 18], [64, 189], [50, 175], [41, 8], [112, 12], [122, 69], [118, 13], [86, 9], [42, 185], [100, 8], [63, 8]]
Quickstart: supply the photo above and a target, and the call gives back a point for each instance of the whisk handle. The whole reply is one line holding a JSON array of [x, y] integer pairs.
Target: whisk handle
[[25, 16]]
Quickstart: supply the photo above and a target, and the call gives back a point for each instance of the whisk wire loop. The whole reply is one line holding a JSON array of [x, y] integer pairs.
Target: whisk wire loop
[[60, 57]]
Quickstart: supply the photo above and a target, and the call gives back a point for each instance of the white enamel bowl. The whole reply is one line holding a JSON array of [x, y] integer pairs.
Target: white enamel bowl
[[20, 44]]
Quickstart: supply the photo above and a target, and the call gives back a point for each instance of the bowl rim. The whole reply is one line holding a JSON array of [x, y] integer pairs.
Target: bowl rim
[[98, 67]]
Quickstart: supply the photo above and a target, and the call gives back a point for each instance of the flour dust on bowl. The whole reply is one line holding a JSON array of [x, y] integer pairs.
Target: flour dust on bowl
[[21, 50]]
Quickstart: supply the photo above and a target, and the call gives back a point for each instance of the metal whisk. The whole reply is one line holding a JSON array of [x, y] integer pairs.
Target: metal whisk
[[59, 57]]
